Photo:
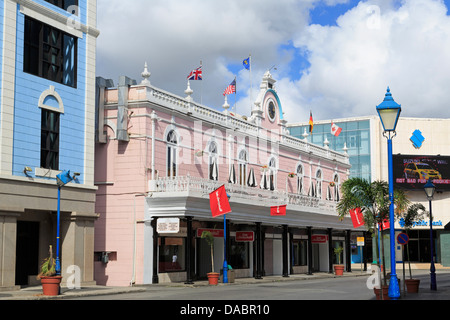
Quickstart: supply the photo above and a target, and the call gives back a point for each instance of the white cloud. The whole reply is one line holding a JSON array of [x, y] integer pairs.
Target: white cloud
[[404, 45], [174, 35], [406, 48]]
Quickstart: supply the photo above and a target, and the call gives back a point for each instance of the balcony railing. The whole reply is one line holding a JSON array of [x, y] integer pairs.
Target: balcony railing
[[204, 187]]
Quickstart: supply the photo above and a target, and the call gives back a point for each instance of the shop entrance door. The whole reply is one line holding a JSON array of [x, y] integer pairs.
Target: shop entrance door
[[203, 258], [316, 257], [27, 251]]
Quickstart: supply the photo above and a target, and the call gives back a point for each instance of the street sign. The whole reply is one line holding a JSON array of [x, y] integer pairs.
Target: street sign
[[402, 238], [360, 241]]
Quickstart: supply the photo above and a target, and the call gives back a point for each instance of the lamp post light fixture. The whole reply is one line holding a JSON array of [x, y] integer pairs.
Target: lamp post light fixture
[[389, 113], [62, 179], [430, 188]]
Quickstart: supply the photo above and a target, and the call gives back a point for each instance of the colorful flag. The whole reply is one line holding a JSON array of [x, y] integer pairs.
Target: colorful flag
[[231, 88], [357, 217], [311, 123], [196, 74], [335, 130], [246, 63], [278, 210], [218, 201]]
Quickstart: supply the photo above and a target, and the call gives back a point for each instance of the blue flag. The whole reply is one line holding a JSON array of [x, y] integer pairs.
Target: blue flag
[[246, 63]]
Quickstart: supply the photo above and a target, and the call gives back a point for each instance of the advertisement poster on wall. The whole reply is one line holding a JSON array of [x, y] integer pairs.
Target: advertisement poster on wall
[[411, 172]]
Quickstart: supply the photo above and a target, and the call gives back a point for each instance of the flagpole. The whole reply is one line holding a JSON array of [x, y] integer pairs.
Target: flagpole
[[201, 86], [235, 92], [251, 83]]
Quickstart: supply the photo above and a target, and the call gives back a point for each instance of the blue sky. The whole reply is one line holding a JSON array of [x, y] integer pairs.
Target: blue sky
[[334, 57]]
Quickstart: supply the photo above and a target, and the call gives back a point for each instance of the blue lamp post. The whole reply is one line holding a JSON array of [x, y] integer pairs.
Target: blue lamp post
[[429, 190], [389, 112], [62, 179]]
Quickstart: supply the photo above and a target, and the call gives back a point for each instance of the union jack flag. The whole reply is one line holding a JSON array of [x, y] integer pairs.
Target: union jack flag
[[196, 74], [231, 88]]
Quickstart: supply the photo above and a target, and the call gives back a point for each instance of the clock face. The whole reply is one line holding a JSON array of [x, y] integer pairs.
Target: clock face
[[271, 110]]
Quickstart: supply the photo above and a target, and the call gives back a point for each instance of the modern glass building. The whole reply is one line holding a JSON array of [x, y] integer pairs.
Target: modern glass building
[[355, 138]]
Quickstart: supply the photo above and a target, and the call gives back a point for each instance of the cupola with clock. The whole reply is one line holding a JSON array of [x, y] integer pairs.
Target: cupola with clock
[[267, 105]]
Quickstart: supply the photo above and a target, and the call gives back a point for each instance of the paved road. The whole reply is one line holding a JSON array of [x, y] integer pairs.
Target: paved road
[[348, 288]]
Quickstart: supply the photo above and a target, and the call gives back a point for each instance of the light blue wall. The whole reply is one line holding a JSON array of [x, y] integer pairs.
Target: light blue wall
[[27, 114]]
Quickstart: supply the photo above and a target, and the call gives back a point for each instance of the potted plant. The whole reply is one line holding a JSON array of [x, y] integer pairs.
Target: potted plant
[[213, 277], [49, 280], [414, 213], [338, 268]]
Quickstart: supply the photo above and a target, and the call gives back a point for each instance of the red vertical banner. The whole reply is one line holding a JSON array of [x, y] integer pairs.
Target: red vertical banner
[[357, 217], [218, 202], [385, 225], [278, 210]]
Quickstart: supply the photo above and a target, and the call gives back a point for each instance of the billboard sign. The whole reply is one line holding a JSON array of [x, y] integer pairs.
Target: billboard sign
[[413, 171]]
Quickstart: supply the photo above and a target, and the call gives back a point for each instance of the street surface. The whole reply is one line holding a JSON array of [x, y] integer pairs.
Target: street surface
[[345, 288]]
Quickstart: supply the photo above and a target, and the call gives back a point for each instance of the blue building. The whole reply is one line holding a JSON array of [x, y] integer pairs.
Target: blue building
[[47, 125]]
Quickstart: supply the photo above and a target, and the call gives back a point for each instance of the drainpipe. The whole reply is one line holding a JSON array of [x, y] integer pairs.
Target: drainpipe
[[133, 274], [154, 118]]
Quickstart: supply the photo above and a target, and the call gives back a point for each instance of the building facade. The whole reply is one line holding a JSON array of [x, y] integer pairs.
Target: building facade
[[47, 125], [159, 156], [368, 153]]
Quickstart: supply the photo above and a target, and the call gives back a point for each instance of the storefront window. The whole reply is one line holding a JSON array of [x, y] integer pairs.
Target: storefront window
[[299, 256], [172, 254], [239, 255]]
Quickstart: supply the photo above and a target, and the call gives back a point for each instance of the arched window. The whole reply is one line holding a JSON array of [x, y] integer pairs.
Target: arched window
[[272, 173], [172, 149], [299, 179], [319, 184], [212, 161], [243, 162], [336, 187]]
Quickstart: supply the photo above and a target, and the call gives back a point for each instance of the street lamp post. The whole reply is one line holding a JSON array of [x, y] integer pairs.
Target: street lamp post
[[429, 190], [389, 113], [61, 179]]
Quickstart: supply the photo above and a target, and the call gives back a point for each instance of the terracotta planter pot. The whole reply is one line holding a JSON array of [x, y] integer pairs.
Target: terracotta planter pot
[[50, 285], [412, 285], [377, 292], [213, 278], [339, 270]]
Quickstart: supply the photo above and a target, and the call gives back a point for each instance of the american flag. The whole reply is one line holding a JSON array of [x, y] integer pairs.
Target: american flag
[[196, 74], [231, 88]]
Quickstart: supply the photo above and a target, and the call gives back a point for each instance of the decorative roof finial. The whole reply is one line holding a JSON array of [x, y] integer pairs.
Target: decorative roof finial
[[189, 92], [145, 74]]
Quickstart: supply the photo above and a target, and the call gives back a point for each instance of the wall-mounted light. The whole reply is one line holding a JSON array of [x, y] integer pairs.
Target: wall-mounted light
[[26, 170]]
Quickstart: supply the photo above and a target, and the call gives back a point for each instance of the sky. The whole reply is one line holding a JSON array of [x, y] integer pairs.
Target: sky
[[334, 58]]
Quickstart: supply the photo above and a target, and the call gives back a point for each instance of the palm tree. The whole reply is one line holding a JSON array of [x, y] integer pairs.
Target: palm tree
[[372, 198]]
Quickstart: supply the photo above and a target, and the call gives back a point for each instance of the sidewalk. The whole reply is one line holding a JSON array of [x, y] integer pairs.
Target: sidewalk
[[35, 293]]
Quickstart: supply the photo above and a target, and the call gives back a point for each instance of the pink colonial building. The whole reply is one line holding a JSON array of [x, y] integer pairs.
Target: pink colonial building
[[159, 155]]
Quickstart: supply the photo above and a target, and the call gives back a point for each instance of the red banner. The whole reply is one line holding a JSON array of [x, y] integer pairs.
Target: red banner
[[357, 217], [385, 225], [218, 202], [278, 210]]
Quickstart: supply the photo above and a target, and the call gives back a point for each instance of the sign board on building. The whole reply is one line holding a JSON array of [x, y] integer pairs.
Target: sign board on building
[[168, 225], [413, 171], [245, 236], [319, 238], [217, 233]]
